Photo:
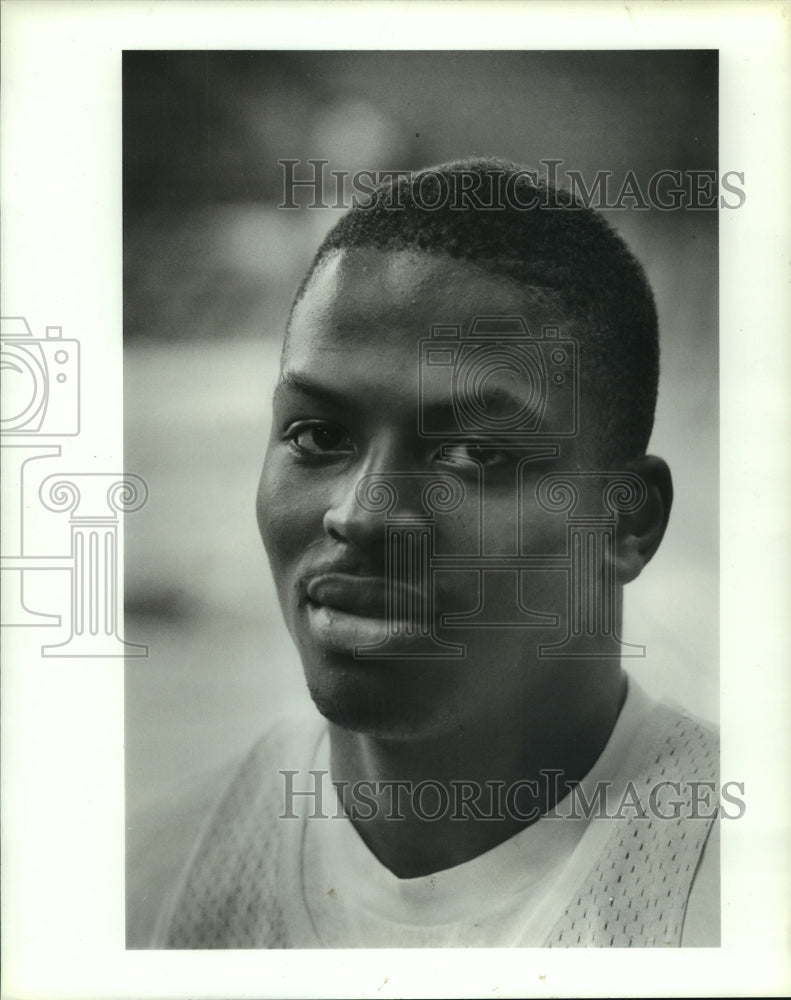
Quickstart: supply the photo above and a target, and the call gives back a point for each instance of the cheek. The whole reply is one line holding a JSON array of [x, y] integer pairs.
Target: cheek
[[458, 533], [288, 513], [541, 533]]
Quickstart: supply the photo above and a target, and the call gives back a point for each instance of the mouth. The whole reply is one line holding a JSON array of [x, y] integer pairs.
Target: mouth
[[363, 596], [348, 611]]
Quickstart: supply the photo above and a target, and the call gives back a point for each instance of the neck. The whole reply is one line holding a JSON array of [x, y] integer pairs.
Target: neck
[[469, 801]]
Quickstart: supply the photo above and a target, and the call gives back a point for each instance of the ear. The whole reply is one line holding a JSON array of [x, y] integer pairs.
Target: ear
[[639, 533]]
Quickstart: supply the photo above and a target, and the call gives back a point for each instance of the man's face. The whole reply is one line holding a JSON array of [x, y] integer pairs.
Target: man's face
[[347, 407]]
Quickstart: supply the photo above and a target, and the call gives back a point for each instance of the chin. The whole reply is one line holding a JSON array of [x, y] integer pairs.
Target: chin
[[383, 700]]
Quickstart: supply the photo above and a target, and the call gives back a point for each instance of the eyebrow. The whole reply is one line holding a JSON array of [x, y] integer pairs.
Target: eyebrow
[[291, 381], [496, 397]]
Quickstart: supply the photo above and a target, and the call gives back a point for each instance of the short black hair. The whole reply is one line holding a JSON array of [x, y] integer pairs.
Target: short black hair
[[556, 246]]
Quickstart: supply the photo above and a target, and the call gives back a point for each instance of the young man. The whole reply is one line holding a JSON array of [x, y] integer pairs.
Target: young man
[[455, 492]]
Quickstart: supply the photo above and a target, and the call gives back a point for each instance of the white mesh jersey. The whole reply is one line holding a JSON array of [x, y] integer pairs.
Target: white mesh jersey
[[617, 876]]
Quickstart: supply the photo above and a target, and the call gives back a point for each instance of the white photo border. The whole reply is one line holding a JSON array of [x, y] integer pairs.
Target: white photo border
[[63, 725]]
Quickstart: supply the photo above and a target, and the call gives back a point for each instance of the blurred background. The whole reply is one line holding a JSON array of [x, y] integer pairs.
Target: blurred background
[[210, 267]]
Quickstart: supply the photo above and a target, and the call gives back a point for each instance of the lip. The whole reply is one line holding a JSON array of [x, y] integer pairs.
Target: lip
[[348, 611], [364, 596], [343, 632]]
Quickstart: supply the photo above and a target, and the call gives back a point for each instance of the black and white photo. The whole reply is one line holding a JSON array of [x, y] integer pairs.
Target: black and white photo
[[457, 492]]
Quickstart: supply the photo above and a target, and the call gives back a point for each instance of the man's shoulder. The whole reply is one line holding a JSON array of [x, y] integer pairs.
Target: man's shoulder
[[200, 823], [250, 793], [672, 741], [287, 746], [292, 739], [634, 877], [160, 834]]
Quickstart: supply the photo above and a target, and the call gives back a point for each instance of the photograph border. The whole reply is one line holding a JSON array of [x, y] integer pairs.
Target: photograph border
[[63, 783]]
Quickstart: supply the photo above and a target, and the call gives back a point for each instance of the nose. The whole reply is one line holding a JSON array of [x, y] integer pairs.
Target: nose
[[345, 520], [361, 501]]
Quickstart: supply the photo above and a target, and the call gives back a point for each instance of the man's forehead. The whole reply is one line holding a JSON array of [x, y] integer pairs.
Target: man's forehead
[[351, 288], [386, 301]]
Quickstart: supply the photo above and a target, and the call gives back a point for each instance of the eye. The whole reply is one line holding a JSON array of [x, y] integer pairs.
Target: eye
[[472, 454], [319, 438]]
